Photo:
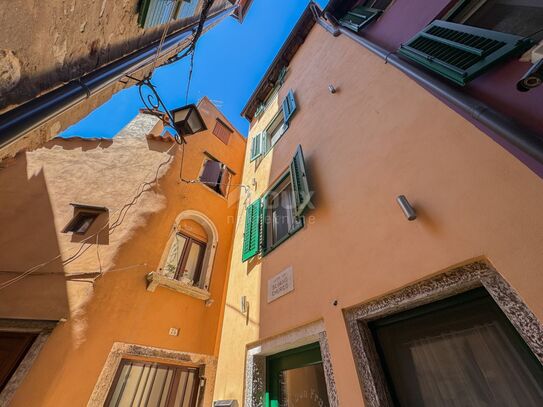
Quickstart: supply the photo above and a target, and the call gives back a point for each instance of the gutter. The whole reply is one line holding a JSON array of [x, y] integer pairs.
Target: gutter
[[16, 122], [525, 139]]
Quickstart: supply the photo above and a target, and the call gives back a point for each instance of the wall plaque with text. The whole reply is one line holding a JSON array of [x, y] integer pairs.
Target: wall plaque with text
[[280, 284]]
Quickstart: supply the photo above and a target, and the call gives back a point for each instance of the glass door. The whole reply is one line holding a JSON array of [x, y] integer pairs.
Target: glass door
[[295, 378]]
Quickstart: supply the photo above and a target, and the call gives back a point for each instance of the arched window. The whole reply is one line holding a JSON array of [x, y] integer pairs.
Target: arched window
[[187, 261], [186, 255]]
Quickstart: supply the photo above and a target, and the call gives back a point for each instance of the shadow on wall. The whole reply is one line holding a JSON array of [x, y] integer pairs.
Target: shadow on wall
[[28, 238], [78, 143]]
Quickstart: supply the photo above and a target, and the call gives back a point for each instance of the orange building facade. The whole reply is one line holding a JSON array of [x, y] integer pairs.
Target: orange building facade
[[113, 279], [336, 296]]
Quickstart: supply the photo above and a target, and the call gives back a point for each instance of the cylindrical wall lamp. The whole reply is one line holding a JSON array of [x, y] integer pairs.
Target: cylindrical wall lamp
[[407, 209]]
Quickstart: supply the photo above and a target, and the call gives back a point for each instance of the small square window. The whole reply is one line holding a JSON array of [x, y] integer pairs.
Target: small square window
[[216, 176], [222, 131], [81, 222]]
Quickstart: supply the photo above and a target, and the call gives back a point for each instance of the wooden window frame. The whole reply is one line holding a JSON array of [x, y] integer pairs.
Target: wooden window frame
[[217, 185], [173, 385], [266, 215], [28, 338], [184, 257], [42, 330], [79, 217]]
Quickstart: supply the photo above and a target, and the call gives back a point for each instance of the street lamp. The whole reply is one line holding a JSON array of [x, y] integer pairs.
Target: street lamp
[[184, 121], [187, 120]]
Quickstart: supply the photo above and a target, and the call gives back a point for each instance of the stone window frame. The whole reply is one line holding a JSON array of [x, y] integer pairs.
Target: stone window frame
[[157, 278], [44, 329], [121, 350], [454, 281], [255, 371]]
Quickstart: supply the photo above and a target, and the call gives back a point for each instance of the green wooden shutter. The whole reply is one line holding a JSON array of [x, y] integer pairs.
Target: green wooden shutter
[[460, 52], [359, 17], [155, 12], [289, 106], [256, 146], [302, 195], [251, 237]]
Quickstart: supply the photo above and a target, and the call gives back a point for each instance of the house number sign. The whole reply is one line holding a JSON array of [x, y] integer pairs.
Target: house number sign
[[280, 284]]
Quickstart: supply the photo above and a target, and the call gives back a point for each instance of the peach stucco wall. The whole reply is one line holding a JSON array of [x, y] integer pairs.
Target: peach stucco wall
[[37, 188], [379, 136]]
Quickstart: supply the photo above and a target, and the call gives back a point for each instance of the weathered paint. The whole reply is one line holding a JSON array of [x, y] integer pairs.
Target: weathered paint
[[379, 136], [37, 189]]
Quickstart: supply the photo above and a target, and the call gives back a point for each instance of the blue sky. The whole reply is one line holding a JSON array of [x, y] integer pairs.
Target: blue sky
[[230, 60]]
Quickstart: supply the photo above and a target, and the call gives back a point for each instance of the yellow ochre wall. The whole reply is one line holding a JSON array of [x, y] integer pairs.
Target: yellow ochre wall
[[379, 136], [115, 307]]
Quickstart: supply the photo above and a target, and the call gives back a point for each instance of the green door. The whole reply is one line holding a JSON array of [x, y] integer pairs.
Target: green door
[[295, 378]]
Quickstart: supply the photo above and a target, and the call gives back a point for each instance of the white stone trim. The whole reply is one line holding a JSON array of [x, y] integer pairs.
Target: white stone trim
[[255, 373], [121, 350], [155, 279]]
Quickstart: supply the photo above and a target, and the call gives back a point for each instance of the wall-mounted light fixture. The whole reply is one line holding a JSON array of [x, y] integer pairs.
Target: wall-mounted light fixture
[[407, 209], [532, 79], [183, 121], [244, 304], [187, 120]]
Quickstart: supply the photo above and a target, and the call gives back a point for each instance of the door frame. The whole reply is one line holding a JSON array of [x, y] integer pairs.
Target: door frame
[[257, 353]]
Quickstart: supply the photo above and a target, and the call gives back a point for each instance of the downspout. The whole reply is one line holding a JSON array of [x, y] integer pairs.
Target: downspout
[[30, 115], [525, 139]]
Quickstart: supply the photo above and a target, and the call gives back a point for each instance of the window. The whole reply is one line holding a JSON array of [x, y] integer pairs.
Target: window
[[222, 131], [363, 14], [216, 175], [13, 348], [154, 384], [187, 8], [81, 222], [264, 141], [296, 377], [377, 4], [461, 351], [517, 17], [459, 52], [155, 12], [279, 217], [185, 259], [278, 214]]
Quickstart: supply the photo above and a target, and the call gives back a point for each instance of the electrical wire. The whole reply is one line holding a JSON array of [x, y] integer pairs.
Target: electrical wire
[[162, 39], [191, 67], [120, 219]]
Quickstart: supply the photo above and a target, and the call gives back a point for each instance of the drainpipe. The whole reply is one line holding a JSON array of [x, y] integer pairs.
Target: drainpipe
[[30, 115], [525, 139]]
